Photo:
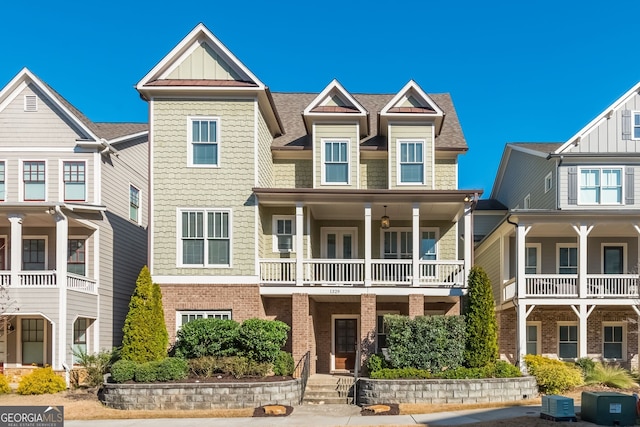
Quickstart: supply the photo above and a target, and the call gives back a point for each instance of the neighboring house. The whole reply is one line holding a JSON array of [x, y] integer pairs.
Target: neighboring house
[[563, 260], [322, 210], [73, 224]]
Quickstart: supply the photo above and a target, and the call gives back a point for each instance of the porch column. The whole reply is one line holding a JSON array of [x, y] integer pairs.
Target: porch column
[[583, 232], [583, 314], [299, 244], [416, 305], [415, 228], [468, 242], [368, 318], [521, 343], [521, 284], [367, 244], [16, 247], [299, 326], [62, 242]]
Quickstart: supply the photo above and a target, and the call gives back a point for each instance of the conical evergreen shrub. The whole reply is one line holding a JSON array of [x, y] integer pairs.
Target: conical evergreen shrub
[[480, 317]]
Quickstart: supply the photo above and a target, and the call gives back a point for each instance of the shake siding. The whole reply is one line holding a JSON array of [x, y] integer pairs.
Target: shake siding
[[265, 162], [446, 174], [411, 132], [489, 260], [266, 231], [226, 187], [204, 63], [336, 132], [373, 174], [290, 173], [525, 175]]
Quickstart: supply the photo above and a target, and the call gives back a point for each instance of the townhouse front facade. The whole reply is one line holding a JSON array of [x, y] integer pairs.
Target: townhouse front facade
[[560, 240], [72, 226], [323, 210]]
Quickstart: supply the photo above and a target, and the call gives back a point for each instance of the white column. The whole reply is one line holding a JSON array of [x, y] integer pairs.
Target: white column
[[468, 242], [583, 314], [415, 228], [367, 244], [583, 232], [16, 247], [299, 243], [521, 343], [521, 233], [62, 242]]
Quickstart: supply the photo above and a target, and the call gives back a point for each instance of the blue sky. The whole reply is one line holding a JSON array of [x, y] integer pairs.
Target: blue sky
[[532, 71]]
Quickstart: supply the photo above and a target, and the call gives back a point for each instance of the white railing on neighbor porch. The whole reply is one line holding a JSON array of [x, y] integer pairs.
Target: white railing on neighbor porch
[[509, 289], [333, 271], [612, 285], [551, 285], [48, 279], [38, 279], [80, 283], [442, 273]]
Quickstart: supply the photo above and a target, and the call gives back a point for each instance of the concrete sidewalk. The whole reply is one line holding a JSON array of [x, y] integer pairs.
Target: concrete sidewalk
[[328, 415]]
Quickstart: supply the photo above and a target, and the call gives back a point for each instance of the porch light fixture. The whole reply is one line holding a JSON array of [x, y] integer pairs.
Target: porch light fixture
[[384, 221]]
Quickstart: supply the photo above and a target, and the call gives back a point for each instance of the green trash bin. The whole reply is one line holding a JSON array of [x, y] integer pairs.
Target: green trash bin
[[608, 408]]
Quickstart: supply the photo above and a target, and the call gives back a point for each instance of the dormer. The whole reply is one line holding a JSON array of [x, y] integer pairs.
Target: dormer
[[411, 103], [334, 103]]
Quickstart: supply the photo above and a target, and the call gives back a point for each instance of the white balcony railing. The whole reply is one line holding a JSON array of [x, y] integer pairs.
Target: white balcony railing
[[278, 271], [391, 271], [551, 285], [568, 285], [333, 271], [509, 290], [612, 285], [442, 273], [80, 283], [45, 278]]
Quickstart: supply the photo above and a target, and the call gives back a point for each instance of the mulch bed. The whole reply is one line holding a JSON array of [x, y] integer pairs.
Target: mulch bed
[[259, 412], [395, 410]]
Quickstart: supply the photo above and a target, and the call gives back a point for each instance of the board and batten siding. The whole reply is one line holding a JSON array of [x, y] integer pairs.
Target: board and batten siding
[[293, 173], [489, 260], [373, 174], [228, 186], [265, 162], [324, 132], [411, 132], [525, 174], [204, 63]]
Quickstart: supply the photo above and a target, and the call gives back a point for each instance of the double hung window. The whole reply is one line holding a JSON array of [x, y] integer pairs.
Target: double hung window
[[33, 177], [283, 232], [336, 162], [567, 259], [567, 341], [601, 186], [205, 238], [76, 260], [134, 204], [74, 181], [204, 139], [411, 160], [613, 342]]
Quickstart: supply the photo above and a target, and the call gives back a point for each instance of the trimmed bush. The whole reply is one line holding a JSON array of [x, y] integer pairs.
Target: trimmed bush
[[41, 381], [284, 364], [204, 366], [502, 369], [4, 385], [207, 337], [553, 376], [241, 367], [400, 373], [377, 362], [172, 369], [261, 340], [146, 372], [482, 327], [145, 336], [123, 370]]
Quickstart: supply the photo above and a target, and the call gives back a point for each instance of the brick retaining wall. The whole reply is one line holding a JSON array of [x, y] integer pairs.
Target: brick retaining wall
[[201, 395], [446, 391]]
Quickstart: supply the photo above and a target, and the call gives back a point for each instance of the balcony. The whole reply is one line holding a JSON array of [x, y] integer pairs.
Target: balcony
[[352, 272], [47, 279], [568, 285]]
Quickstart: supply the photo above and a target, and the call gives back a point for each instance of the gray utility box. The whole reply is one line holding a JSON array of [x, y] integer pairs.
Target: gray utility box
[[608, 408], [557, 406]]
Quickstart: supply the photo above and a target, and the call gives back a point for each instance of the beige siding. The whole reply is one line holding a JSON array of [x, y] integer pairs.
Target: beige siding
[[225, 187], [265, 162], [373, 174], [289, 173], [489, 260], [204, 63], [265, 236], [446, 174], [524, 175], [411, 132], [323, 131]]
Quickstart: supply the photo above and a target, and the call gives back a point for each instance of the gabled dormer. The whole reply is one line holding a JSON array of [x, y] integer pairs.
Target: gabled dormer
[[411, 121], [336, 122]]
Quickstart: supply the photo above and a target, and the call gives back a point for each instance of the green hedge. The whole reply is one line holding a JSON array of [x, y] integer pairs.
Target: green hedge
[[499, 369], [167, 369]]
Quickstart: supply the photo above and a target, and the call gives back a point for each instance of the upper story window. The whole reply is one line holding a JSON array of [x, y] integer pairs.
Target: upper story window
[[601, 186], [34, 180], [204, 139], [527, 201], [336, 162], [411, 162], [548, 182], [76, 256], [74, 181], [399, 244], [567, 259], [283, 232], [205, 238], [2, 181], [34, 253], [134, 204], [532, 258], [636, 125]]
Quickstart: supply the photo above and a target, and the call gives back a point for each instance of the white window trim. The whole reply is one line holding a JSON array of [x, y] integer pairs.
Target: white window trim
[[399, 142], [274, 232], [527, 201], [45, 341], [46, 248], [378, 314], [624, 255], [61, 189], [179, 262], [563, 323], [86, 251], [205, 314], [600, 168], [323, 172], [633, 121], [324, 231], [89, 333], [538, 325], [21, 180], [399, 229], [565, 245], [538, 247], [548, 182], [624, 340], [190, 163], [139, 221]]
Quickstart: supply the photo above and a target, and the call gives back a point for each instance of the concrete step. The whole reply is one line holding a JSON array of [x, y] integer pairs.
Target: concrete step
[[321, 394], [328, 401]]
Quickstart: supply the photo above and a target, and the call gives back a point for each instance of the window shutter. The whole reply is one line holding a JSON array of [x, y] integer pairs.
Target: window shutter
[[626, 124], [629, 190], [573, 185]]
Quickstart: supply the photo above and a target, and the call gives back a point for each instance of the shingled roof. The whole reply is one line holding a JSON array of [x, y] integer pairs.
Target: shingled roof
[[291, 105], [543, 147]]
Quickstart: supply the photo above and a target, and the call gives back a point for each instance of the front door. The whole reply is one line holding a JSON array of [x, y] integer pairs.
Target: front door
[[345, 341]]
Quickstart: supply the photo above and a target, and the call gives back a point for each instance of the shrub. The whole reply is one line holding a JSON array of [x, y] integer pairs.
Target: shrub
[[146, 372], [204, 366], [4, 385], [377, 362], [610, 376], [553, 376], [41, 381], [241, 367], [284, 364], [461, 373], [261, 340], [482, 327], [171, 369], [207, 337], [502, 369], [145, 336], [400, 373], [96, 364], [123, 370], [586, 365]]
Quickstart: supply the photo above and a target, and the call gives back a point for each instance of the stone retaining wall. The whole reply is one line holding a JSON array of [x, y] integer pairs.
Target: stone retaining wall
[[446, 391], [201, 395]]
